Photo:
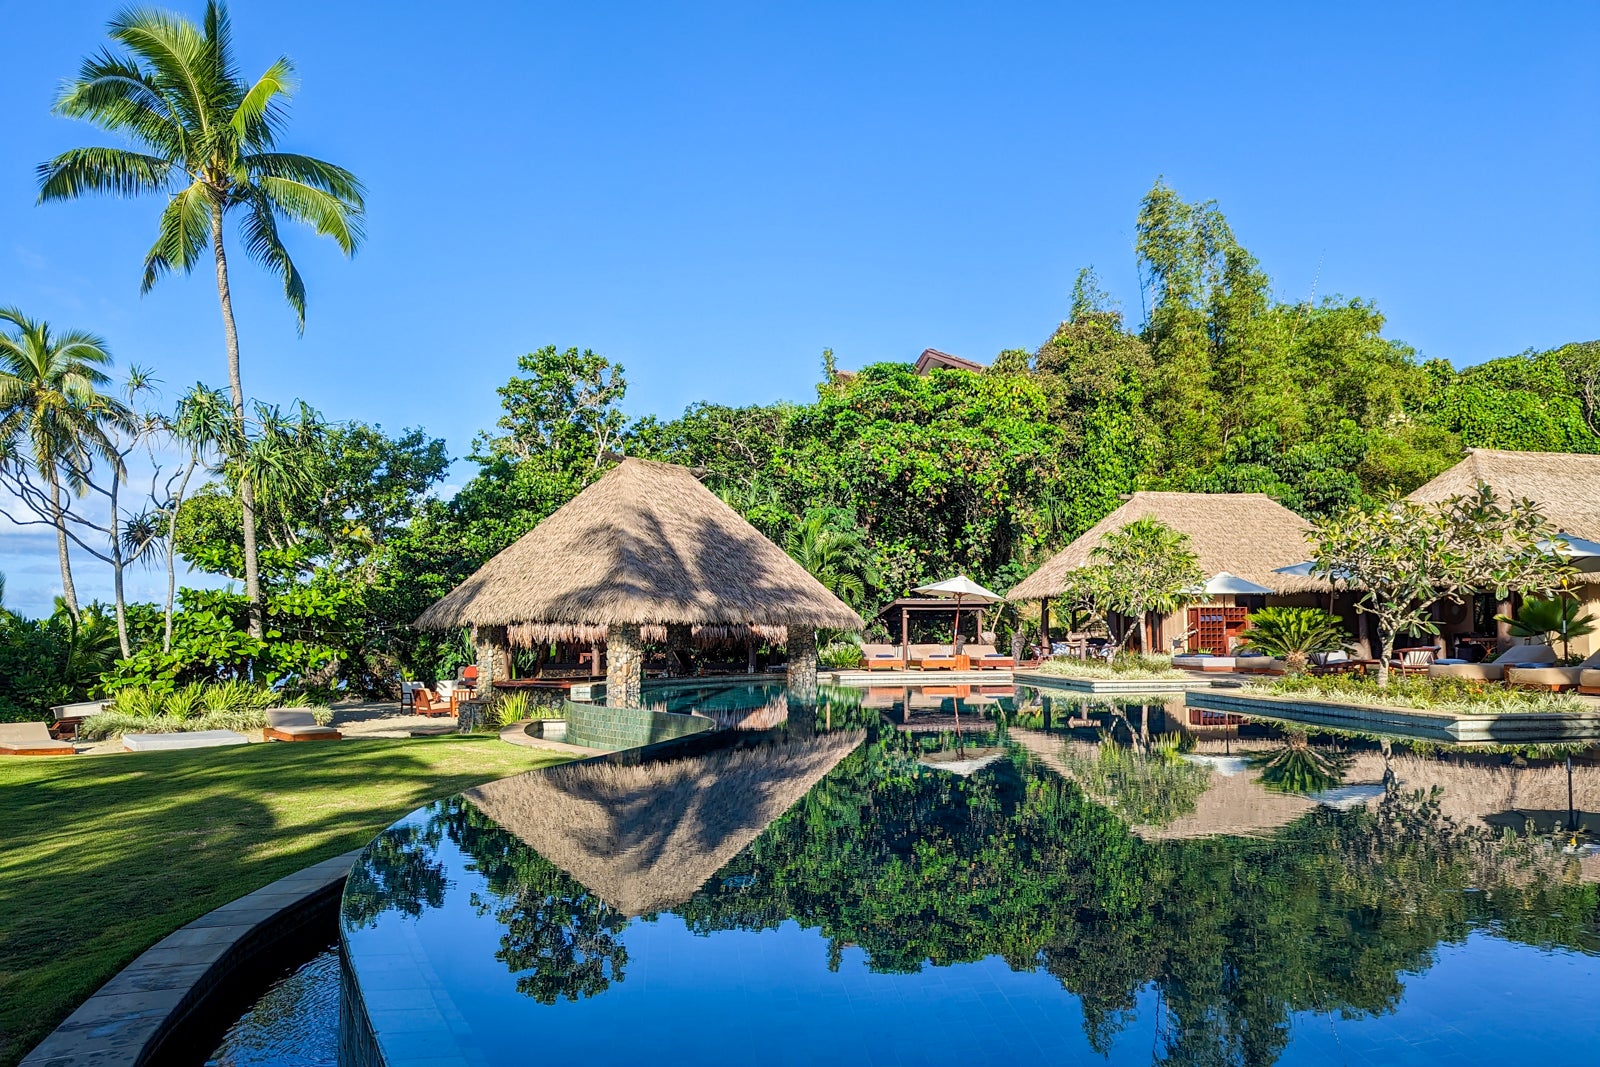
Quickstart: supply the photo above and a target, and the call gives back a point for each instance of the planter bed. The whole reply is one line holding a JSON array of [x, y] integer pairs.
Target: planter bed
[[1111, 685], [1444, 726]]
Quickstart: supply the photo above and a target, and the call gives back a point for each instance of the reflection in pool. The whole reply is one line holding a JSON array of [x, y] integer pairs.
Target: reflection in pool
[[830, 891]]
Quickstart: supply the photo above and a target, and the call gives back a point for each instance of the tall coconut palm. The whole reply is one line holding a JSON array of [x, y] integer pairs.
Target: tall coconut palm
[[207, 140], [50, 399]]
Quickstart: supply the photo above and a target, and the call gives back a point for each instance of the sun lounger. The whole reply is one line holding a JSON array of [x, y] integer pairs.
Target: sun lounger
[[937, 658], [985, 658], [182, 739], [1554, 679], [297, 724], [1516, 656], [1414, 660], [68, 716], [1589, 682], [882, 658], [31, 739]]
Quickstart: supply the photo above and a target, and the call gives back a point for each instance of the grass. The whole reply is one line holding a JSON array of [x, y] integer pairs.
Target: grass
[[102, 856], [1423, 694], [1126, 666]]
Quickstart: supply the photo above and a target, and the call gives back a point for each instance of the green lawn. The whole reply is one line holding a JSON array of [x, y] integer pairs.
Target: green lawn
[[102, 856]]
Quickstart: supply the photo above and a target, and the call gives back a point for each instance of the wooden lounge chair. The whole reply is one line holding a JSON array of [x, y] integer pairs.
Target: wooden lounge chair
[[882, 658], [1589, 682], [427, 702], [1555, 679], [944, 663], [68, 716], [985, 658], [31, 739], [297, 724], [1414, 660]]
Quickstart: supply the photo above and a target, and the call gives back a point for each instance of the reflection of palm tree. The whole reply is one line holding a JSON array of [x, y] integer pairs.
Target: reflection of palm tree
[[1299, 768]]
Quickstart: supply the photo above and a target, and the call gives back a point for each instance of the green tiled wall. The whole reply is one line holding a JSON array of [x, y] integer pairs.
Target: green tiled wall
[[612, 729]]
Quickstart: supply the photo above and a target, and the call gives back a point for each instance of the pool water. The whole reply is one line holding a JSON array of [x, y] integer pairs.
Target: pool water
[[295, 1022], [927, 877]]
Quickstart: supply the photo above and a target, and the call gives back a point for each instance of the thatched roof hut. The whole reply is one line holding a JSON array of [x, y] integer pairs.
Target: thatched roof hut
[[647, 544], [1246, 534], [1565, 484], [646, 837]]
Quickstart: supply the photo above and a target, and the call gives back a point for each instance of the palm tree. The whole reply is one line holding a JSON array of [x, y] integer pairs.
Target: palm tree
[[50, 397], [1295, 634], [208, 140], [838, 558], [1557, 618]]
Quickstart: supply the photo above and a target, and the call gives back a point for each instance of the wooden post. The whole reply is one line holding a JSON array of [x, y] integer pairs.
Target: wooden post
[[624, 667], [905, 640], [1502, 630], [750, 653]]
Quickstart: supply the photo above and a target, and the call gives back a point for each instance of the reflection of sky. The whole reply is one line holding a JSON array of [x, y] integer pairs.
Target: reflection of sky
[[434, 988]]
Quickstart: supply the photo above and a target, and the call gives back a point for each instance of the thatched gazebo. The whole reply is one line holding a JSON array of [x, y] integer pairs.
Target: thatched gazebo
[[646, 551], [1245, 534]]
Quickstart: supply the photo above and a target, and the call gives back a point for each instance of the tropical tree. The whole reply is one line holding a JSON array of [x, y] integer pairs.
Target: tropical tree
[[1405, 557], [203, 425], [207, 138], [1295, 634], [835, 554], [1559, 618], [50, 399], [1145, 566]]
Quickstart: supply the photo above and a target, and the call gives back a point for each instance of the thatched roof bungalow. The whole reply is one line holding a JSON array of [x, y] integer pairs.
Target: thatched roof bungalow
[[645, 546], [1565, 485], [1245, 534]]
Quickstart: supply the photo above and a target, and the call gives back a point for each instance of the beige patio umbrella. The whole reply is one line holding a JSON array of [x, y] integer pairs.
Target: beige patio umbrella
[[962, 590]]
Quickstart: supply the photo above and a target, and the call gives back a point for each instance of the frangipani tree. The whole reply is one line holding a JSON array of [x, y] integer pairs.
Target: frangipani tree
[[1143, 567], [1404, 558], [206, 138]]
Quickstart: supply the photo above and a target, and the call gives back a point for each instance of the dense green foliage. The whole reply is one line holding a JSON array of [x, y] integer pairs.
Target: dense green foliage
[[1295, 634], [886, 480]]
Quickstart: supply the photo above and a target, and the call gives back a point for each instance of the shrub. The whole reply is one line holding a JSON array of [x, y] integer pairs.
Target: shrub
[[1125, 665], [840, 656], [1459, 695], [510, 707], [183, 703], [1295, 634], [113, 723]]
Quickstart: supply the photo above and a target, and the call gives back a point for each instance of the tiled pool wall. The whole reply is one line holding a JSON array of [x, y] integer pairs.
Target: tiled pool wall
[[613, 729]]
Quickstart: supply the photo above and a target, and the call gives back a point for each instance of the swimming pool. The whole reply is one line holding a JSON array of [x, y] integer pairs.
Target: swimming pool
[[947, 877]]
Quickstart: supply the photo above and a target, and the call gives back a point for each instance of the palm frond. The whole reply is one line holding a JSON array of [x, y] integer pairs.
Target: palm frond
[[101, 170], [308, 170], [176, 53], [259, 116], [323, 212], [182, 236], [263, 245], [115, 94]]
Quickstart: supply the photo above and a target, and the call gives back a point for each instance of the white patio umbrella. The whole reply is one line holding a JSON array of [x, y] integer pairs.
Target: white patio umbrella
[[1582, 553], [1305, 568], [1225, 584], [962, 590]]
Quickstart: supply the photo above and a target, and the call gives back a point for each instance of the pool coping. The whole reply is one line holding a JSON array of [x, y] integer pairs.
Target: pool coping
[[128, 1021], [1525, 727], [1112, 685]]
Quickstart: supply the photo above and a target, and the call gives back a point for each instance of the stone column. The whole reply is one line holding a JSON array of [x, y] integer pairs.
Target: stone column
[[624, 667], [803, 664], [489, 644]]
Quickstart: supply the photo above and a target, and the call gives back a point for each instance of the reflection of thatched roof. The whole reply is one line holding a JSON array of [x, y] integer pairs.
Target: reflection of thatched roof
[[1473, 792], [646, 837], [1246, 534], [647, 543], [1565, 484], [1233, 805]]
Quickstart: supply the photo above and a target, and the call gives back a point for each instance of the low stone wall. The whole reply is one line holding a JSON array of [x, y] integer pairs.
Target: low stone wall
[[612, 729]]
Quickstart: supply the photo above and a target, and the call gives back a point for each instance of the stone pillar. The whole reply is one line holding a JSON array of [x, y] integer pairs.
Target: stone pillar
[[624, 667], [803, 664], [489, 644]]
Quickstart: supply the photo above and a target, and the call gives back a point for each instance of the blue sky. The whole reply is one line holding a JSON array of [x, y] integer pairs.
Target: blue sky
[[713, 194]]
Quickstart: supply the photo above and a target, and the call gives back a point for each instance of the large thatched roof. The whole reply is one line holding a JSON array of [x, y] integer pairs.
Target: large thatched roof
[[1247, 534], [646, 544], [646, 837], [1565, 484]]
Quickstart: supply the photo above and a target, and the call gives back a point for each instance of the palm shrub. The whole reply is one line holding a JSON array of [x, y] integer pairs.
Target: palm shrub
[[183, 703], [1557, 618], [1299, 768], [1295, 634]]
